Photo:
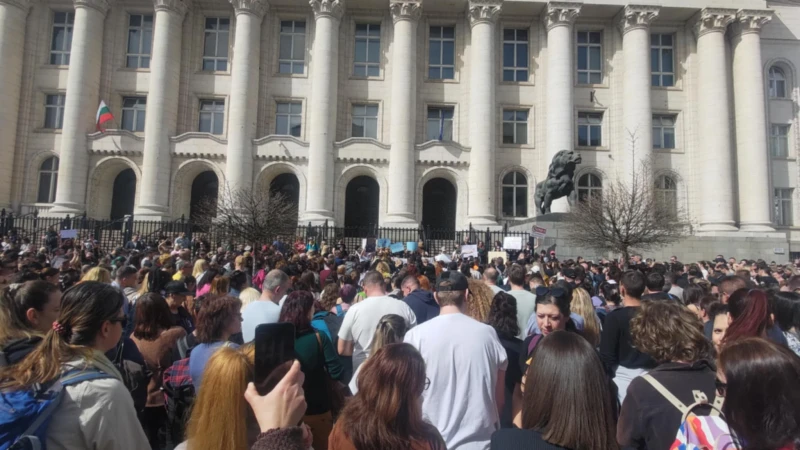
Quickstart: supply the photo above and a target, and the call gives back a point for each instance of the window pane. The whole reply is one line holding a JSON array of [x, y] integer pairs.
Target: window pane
[[508, 34], [522, 133], [448, 73], [222, 65], [44, 188], [372, 110], [58, 38], [447, 113], [436, 32], [509, 178], [372, 128], [294, 122], [222, 45], [433, 129], [583, 136], [361, 50], [508, 201], [224, 24], [522, 55], [594, 58], [374, 52], [219, 122], [285, 47], [360, 70], [434, 52], [205, 123], [522, 35], [447, 133], [127, 120], [448, 32], [147, 40], [140, 121], [282, 124], [666, 40], [508, 133], [286, 26], [296, 108], [596, 136], [657, 137], [508, 55], [654, 60], [594, 37], [521, 202], [299, 48], [668, 80], [448, 52], [666, 58], [582, 58], [133, 40], [583, 78], [210, 44], [669, 138], [358, 129], [508, 114], [50, 115], [595, 78], [434, 73], [582, 37]]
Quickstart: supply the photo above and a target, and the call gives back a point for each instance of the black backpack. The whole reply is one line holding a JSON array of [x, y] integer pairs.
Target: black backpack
[[135, 374]]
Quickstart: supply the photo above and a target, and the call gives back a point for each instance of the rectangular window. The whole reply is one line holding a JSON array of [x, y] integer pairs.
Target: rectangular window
[[590, 51], [442, 53], [292, 55], [779, 141], [367, 61], [515, 126], [440, 123], [515, 55], [140, 39], [590, 129], [215, 47], [662, 60], [212, 116], [365, 121], [783, 207], [63, 22], [288, 120], [663, 131], [133, 113], [54, 111]]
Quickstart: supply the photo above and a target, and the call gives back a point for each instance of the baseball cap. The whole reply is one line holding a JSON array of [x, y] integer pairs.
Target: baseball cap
[[456, 282], [569, 272], [176, 288]]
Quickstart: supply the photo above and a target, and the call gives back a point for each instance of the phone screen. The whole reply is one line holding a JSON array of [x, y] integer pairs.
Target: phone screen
[[274, 348]]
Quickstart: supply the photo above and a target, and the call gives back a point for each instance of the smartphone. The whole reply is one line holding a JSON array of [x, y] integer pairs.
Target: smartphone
[[274, 348]]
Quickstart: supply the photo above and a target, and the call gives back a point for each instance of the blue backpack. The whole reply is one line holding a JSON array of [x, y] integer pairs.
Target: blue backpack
[[25, 414]]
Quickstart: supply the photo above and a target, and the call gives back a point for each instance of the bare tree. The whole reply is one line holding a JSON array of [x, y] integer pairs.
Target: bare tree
[[251, 216], [626, 216]]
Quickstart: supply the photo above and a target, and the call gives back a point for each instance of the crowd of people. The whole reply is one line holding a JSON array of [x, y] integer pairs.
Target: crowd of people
[[152, 347]]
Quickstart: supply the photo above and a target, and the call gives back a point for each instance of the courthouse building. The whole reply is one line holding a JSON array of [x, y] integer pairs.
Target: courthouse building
[[399, 112]]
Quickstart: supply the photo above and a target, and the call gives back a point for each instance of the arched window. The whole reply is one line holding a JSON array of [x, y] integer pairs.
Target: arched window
[[667, 193], [515, 195], [777, 82], [589, 185], [48, 179]]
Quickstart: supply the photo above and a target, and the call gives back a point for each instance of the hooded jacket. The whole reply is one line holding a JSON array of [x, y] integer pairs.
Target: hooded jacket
[[423, 304]]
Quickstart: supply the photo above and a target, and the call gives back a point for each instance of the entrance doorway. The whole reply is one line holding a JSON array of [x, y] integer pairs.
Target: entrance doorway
[[439, 208], [205, 189], [123, 195], [287, 185], [361, 206]]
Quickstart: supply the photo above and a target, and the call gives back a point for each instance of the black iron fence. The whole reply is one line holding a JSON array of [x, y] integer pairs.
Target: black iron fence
[[110, 234]]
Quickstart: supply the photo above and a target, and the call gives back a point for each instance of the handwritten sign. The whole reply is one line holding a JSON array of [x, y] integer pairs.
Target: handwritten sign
[[397, 248], [538, 232], [512, 242], [494, 255], [469, 251], [384, 243]]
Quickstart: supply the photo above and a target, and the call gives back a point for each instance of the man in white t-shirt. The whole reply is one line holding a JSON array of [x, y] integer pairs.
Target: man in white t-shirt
[[526, 302], [465, 364], [361, 320]]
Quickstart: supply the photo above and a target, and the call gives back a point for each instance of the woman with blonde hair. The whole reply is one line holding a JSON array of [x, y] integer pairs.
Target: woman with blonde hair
[[582, 305], [97, 274], [220, 417], [200, 266], [249, 295], [479, 301]]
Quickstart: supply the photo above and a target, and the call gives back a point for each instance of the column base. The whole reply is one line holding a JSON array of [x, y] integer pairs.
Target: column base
[[318, 217], [717, 226], [761, 226], [400, 220], [151, 212], [63, 209], [483, 222]]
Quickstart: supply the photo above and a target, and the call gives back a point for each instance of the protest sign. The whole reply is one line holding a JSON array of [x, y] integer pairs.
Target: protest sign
[[397, 247], [469, 251], [69, 234], [538, 232], [495, 255], [512, 242], [411, 246], [384, 243]]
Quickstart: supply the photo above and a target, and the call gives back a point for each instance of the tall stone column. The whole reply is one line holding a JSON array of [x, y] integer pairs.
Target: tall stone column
[[559, 19], [322, 109], [483, 16], [637, 115], [243, 109], [162, 109], [13, 16], [402, 156], [80, 106], [752, 156], [714, 160]]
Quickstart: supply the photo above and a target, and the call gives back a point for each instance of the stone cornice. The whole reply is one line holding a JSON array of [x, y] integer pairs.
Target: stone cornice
[[179, 7], [101, 134], [327, 8], [21, 4], [405, 10], [255, 7], [713, 20], [560, 14], [100, 5], [279, 138], [484, 11], [197, 135], [635, 17], [751, 20], [360, 140]]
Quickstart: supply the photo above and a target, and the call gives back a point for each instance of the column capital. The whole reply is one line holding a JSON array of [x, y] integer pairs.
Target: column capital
[[749, 20], [179, 7], [560, 14], [483, 11], [404, 10], [713, 20], [21, 4], [635, 17], [255, 7], [327, 8], [100, 5]]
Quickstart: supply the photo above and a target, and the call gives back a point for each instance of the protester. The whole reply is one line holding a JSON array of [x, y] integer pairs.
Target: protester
[[420, 301], [719, 318], [97, 413], [582, 305], [346, 295], [526, 302], [218, 320], [748, 315], [391, 329], [266, 309], [27, 313], [358, 328], [786, 309], [466, 365], [175, 294], [759, 382], [503, 318], [673, 336], [567, 402], [157, 339], [479, 299]]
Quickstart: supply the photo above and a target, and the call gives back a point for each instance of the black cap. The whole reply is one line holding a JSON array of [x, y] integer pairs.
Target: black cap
[[176, 288], [569, 272], [456, 282]]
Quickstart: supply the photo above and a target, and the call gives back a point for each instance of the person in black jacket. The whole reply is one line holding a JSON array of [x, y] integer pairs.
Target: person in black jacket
[[420, 301], [673, 336]]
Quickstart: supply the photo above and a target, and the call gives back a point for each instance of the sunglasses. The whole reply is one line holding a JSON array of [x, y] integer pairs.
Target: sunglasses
[[121, 320], [555, 292]]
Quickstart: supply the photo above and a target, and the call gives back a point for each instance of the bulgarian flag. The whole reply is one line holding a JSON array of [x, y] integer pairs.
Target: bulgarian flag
[[103, 115]]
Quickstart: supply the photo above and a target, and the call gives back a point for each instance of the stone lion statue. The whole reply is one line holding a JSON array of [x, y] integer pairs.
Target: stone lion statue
[[559, 182]]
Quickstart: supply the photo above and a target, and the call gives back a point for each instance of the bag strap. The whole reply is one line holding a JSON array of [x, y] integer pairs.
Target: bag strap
[[667, 394], [534, 342], [338, 310]]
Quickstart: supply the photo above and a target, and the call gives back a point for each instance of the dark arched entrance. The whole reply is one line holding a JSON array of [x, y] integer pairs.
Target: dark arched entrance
[[287, 185], [205, 189], [123, 195], [439, 208], [361, 206]]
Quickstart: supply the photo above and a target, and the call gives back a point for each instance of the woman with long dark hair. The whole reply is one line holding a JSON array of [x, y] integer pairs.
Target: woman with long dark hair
[[317, 356], [569, 403], [503, 318], [27, 312], [762, 397], [748, 312], [386, 413], [96, 413]]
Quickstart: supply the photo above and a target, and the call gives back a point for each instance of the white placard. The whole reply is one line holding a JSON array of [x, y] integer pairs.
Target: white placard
[[69, 234], [469, 251], [512, 243]]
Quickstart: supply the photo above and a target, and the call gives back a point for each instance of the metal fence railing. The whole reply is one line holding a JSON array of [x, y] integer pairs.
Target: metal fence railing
[[110, 234]]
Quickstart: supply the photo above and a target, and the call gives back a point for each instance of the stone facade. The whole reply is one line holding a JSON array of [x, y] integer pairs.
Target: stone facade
[[723, 167]]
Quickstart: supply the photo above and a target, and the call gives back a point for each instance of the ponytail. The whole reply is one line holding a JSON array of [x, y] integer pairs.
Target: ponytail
[[391, 329]]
